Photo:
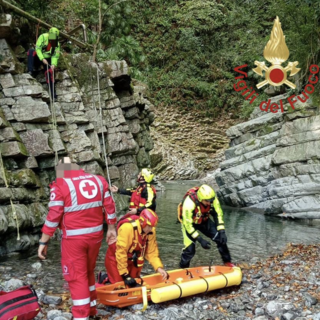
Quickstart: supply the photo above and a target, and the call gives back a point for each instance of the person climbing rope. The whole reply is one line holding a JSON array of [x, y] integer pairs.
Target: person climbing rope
[[193, 213], [143, 196], [47, 53], [136, 241]]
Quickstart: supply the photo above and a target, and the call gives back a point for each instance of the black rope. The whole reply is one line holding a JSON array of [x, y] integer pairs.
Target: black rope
[[225, 278], [179, 288], [206, 283], [141, 281]]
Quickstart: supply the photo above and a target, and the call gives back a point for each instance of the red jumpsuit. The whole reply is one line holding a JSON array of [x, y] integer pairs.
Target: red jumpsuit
[[78, 204], [130, 240]]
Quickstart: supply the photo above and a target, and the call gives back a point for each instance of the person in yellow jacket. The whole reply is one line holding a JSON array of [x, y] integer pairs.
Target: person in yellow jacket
[[141, 197], [136, 241], [193, 213], [47, 52]]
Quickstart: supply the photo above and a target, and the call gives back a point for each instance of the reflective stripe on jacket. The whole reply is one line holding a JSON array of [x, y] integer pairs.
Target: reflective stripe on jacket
[[194, 212], [78, 205]]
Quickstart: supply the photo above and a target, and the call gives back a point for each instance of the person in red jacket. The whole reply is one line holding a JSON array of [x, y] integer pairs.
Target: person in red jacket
[[79, 201], [136, 241], [143, 196]]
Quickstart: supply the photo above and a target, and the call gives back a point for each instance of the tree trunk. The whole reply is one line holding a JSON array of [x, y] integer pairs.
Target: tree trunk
[[95, 46]]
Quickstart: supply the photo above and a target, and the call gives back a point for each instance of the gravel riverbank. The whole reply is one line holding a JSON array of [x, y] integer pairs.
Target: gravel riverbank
[[283, 287]]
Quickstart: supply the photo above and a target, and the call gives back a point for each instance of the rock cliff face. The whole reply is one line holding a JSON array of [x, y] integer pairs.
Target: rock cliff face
[[273, 163], [187, 144], [32, 134]]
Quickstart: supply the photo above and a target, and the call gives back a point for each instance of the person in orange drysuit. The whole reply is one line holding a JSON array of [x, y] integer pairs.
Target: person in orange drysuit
[[143, 196], [136, 241], [79, 201]]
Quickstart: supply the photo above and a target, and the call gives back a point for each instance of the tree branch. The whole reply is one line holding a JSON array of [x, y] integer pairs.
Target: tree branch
[[95, 46], [109, 7]]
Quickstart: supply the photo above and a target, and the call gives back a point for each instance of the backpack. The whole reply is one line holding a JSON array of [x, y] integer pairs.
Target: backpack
[[20, 304], [193, 195]]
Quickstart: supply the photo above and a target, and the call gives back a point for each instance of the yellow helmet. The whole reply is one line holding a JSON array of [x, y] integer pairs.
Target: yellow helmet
[[205, 192], [53, 34], [147, 175]]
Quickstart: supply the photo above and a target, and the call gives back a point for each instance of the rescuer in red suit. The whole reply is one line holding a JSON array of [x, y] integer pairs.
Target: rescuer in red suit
[[79, 202]]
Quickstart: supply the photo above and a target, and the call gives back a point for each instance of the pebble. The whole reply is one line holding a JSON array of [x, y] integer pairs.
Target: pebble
[[269, 291]]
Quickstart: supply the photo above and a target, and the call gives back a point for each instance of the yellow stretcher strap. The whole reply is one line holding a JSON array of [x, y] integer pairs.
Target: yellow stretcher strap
[[144, 298]]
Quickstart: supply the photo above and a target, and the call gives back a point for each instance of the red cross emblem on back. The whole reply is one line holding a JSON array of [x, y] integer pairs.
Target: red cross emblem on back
[[88, 189]]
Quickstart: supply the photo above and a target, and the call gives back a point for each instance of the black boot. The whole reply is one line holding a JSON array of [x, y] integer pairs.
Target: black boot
[[186, 256]]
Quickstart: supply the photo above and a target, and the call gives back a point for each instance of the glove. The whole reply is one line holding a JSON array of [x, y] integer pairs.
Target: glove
[[204, 243], [222, 237], [130, 282]]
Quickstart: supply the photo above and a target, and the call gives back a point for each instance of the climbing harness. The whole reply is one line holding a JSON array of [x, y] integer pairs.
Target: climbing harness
[[14, 213]]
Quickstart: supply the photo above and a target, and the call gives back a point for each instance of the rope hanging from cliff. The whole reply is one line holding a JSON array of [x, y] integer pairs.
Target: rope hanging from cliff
[[14, 213], [103, 140], [53, 109]]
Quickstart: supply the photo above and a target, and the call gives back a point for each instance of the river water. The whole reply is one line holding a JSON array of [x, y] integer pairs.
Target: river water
[[249, 235]]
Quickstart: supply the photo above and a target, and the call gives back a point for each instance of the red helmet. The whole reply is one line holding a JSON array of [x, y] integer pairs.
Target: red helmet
[[148, 218]]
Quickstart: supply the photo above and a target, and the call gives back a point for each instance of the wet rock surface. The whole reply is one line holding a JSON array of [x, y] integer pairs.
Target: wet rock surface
[[282, 287]]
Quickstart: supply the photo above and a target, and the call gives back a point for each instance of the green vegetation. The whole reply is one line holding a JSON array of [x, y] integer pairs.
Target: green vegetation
[[186, 50]]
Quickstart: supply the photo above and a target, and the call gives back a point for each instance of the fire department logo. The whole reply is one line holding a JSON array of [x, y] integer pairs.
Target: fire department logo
[[52, 196], [276, 52], [65, 269], [88, 189]]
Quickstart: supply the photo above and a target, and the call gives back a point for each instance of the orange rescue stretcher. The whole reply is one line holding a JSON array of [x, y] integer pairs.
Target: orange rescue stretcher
[[180, 283]]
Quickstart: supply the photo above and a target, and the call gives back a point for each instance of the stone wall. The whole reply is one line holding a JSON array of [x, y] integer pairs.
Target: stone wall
[[273, 163], [30, 140]]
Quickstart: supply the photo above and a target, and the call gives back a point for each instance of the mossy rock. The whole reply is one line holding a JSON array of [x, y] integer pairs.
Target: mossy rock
[[251, 143], [79, 68], [267, 129], [25, 177], [13, 149], [107, 69], [38, 212], [155, 159]]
